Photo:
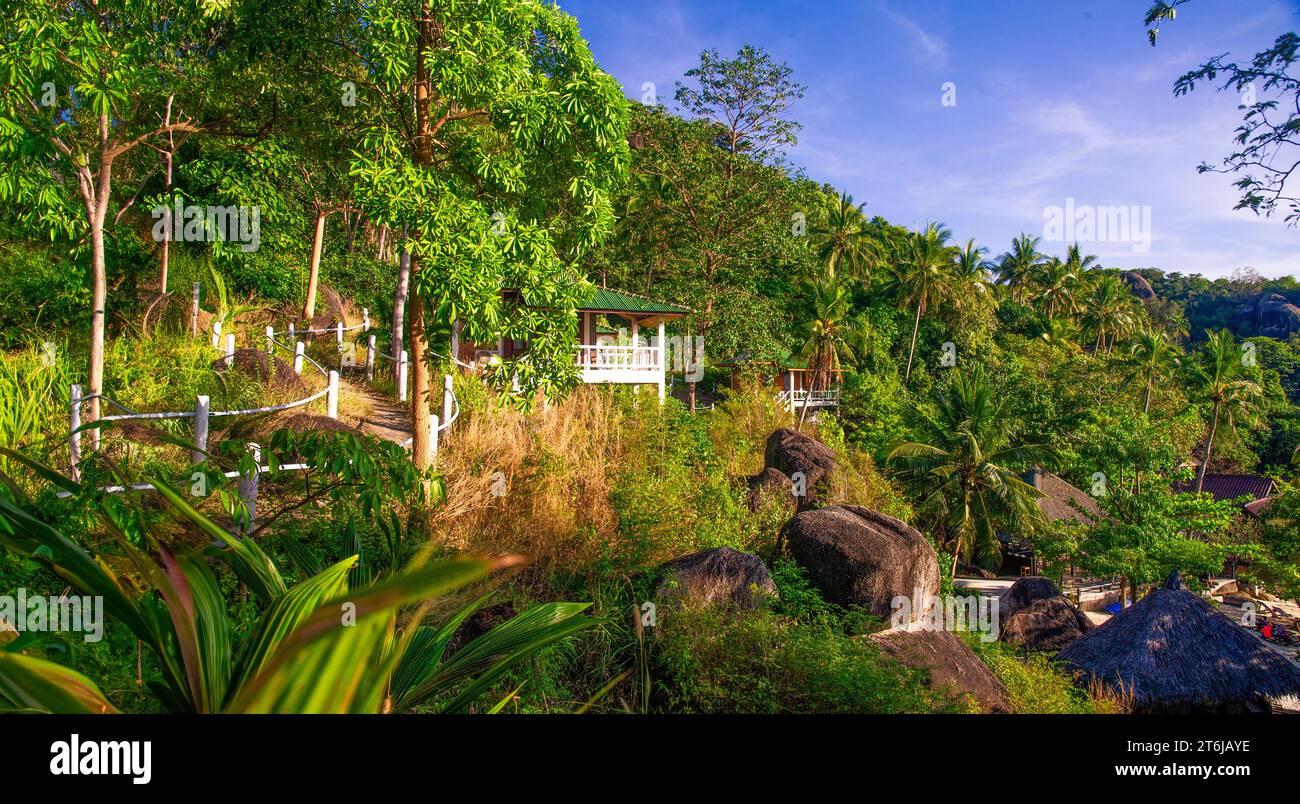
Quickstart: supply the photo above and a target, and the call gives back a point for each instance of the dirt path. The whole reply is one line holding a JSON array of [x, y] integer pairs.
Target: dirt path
[[378, 415]]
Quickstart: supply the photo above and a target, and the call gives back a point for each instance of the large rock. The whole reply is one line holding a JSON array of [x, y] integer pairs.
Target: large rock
[[798, 455], [953, 668], [260, 366], [860, 557], [1272, 314], [719, 575], [769, 487], [1050, 624], [1023, 593], [1139, 285]]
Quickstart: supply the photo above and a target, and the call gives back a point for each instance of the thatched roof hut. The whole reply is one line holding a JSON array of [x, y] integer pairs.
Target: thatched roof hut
[[1173, 652]]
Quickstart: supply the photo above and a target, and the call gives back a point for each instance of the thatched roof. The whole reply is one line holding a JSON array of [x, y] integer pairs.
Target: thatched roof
[[1024, 592], [1061, 500], [1172, 651]]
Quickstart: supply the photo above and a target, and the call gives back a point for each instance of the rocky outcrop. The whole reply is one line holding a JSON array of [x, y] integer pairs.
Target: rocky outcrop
[[770, 487], [1272, 315], [1050, 624], [1023, 593], [718, 576], [258, 365], [953, 669], [1139, 285], [802, 458], [860, 557]]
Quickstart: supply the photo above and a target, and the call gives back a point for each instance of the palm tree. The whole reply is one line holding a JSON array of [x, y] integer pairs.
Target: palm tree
[[972, 271], [1056, 285], [1058, 332], [1220, 379], [1077, 261], [830, 335], [1017, 267], [960, 468], [924, 276], [845, 238], [1107, 311], [1153, 358]]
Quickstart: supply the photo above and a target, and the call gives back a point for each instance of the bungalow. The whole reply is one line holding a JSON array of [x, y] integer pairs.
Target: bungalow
[[1060, 501], [1231, 487], [790, 377], [610, 347]]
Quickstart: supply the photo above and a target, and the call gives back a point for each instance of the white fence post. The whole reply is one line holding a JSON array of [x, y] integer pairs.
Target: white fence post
[[365, 318], [200, 430], [370, 357], [297, 357], [401, 377], [216, 334], [338, 332], [270, 340], [433, 440], [230, 349], [293, 338], [248, 487], [447, 397], [194, 312], [332, 399], [74, 437]]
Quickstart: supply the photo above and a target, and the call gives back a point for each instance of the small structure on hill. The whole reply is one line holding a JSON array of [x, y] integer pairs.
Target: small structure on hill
[[1060, 501], [1173, 652], [790, 377]]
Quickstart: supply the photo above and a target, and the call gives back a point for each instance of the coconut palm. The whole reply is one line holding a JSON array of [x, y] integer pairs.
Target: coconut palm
[[1058, 332], [972, 271], [1016, 268], [1056, 285], [924, 277], [1152, 357], [1107, 311], [845, 241], [960, 467], [1078, 261], [1220, 378], [830, 334]]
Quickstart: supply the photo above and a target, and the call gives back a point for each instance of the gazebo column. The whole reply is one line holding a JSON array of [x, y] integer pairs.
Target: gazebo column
[[660, 357]]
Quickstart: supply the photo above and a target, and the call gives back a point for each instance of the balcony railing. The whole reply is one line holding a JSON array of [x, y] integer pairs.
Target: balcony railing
[[801, 397], [596, 358]]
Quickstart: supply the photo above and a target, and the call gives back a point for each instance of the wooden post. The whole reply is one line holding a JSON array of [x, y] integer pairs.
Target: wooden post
[[230, 349], [216, 334], [332, 398], [74, 437], [248, 487], [194, 312], [370, 357], [270, 340], [663, 366], [200, 430], [297, 357], [447, 397], [401, 377]]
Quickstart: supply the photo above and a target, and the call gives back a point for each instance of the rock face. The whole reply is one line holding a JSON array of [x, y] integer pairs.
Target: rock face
[[1272, 315], [790, 452], [859, 557], [953, 668], [1023, 593], [771, 486], [1139, 285], [719, 576], [1050, 624]]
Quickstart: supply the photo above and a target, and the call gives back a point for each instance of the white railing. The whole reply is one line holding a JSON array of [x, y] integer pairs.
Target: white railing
[[801, 397], [592, 357], [202, 412]]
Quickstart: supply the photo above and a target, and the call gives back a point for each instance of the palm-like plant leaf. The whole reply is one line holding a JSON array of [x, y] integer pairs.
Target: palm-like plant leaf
[[28, 684]]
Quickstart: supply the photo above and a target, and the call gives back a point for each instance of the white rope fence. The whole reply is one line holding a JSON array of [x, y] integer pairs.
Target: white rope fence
[[202, 413]]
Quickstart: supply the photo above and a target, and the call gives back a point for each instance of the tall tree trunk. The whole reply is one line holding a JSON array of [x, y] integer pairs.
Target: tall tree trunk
[[1146, 403], [167, 233], [399, 303], [98, 300], [916, 326], [313, 278], [421, 156], [1209, 447]]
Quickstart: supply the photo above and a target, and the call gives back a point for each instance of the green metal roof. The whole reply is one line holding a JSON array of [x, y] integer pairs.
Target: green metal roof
[[611, 301]]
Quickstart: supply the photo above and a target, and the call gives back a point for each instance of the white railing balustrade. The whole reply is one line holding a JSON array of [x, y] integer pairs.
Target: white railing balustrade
[[592, 357]]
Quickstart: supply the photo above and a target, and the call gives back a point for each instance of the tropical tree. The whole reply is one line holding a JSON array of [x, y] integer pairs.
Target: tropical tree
[[830, 333], [1107, 311], [1056, 287], [964, 470], [1153, 358], [1220, 377], [924, 277], [502, 179], [972, 272], [845, 242], [1017, 267]]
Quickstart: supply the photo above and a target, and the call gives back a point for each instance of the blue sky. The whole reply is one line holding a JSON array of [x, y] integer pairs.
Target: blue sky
[[1054, 101]]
